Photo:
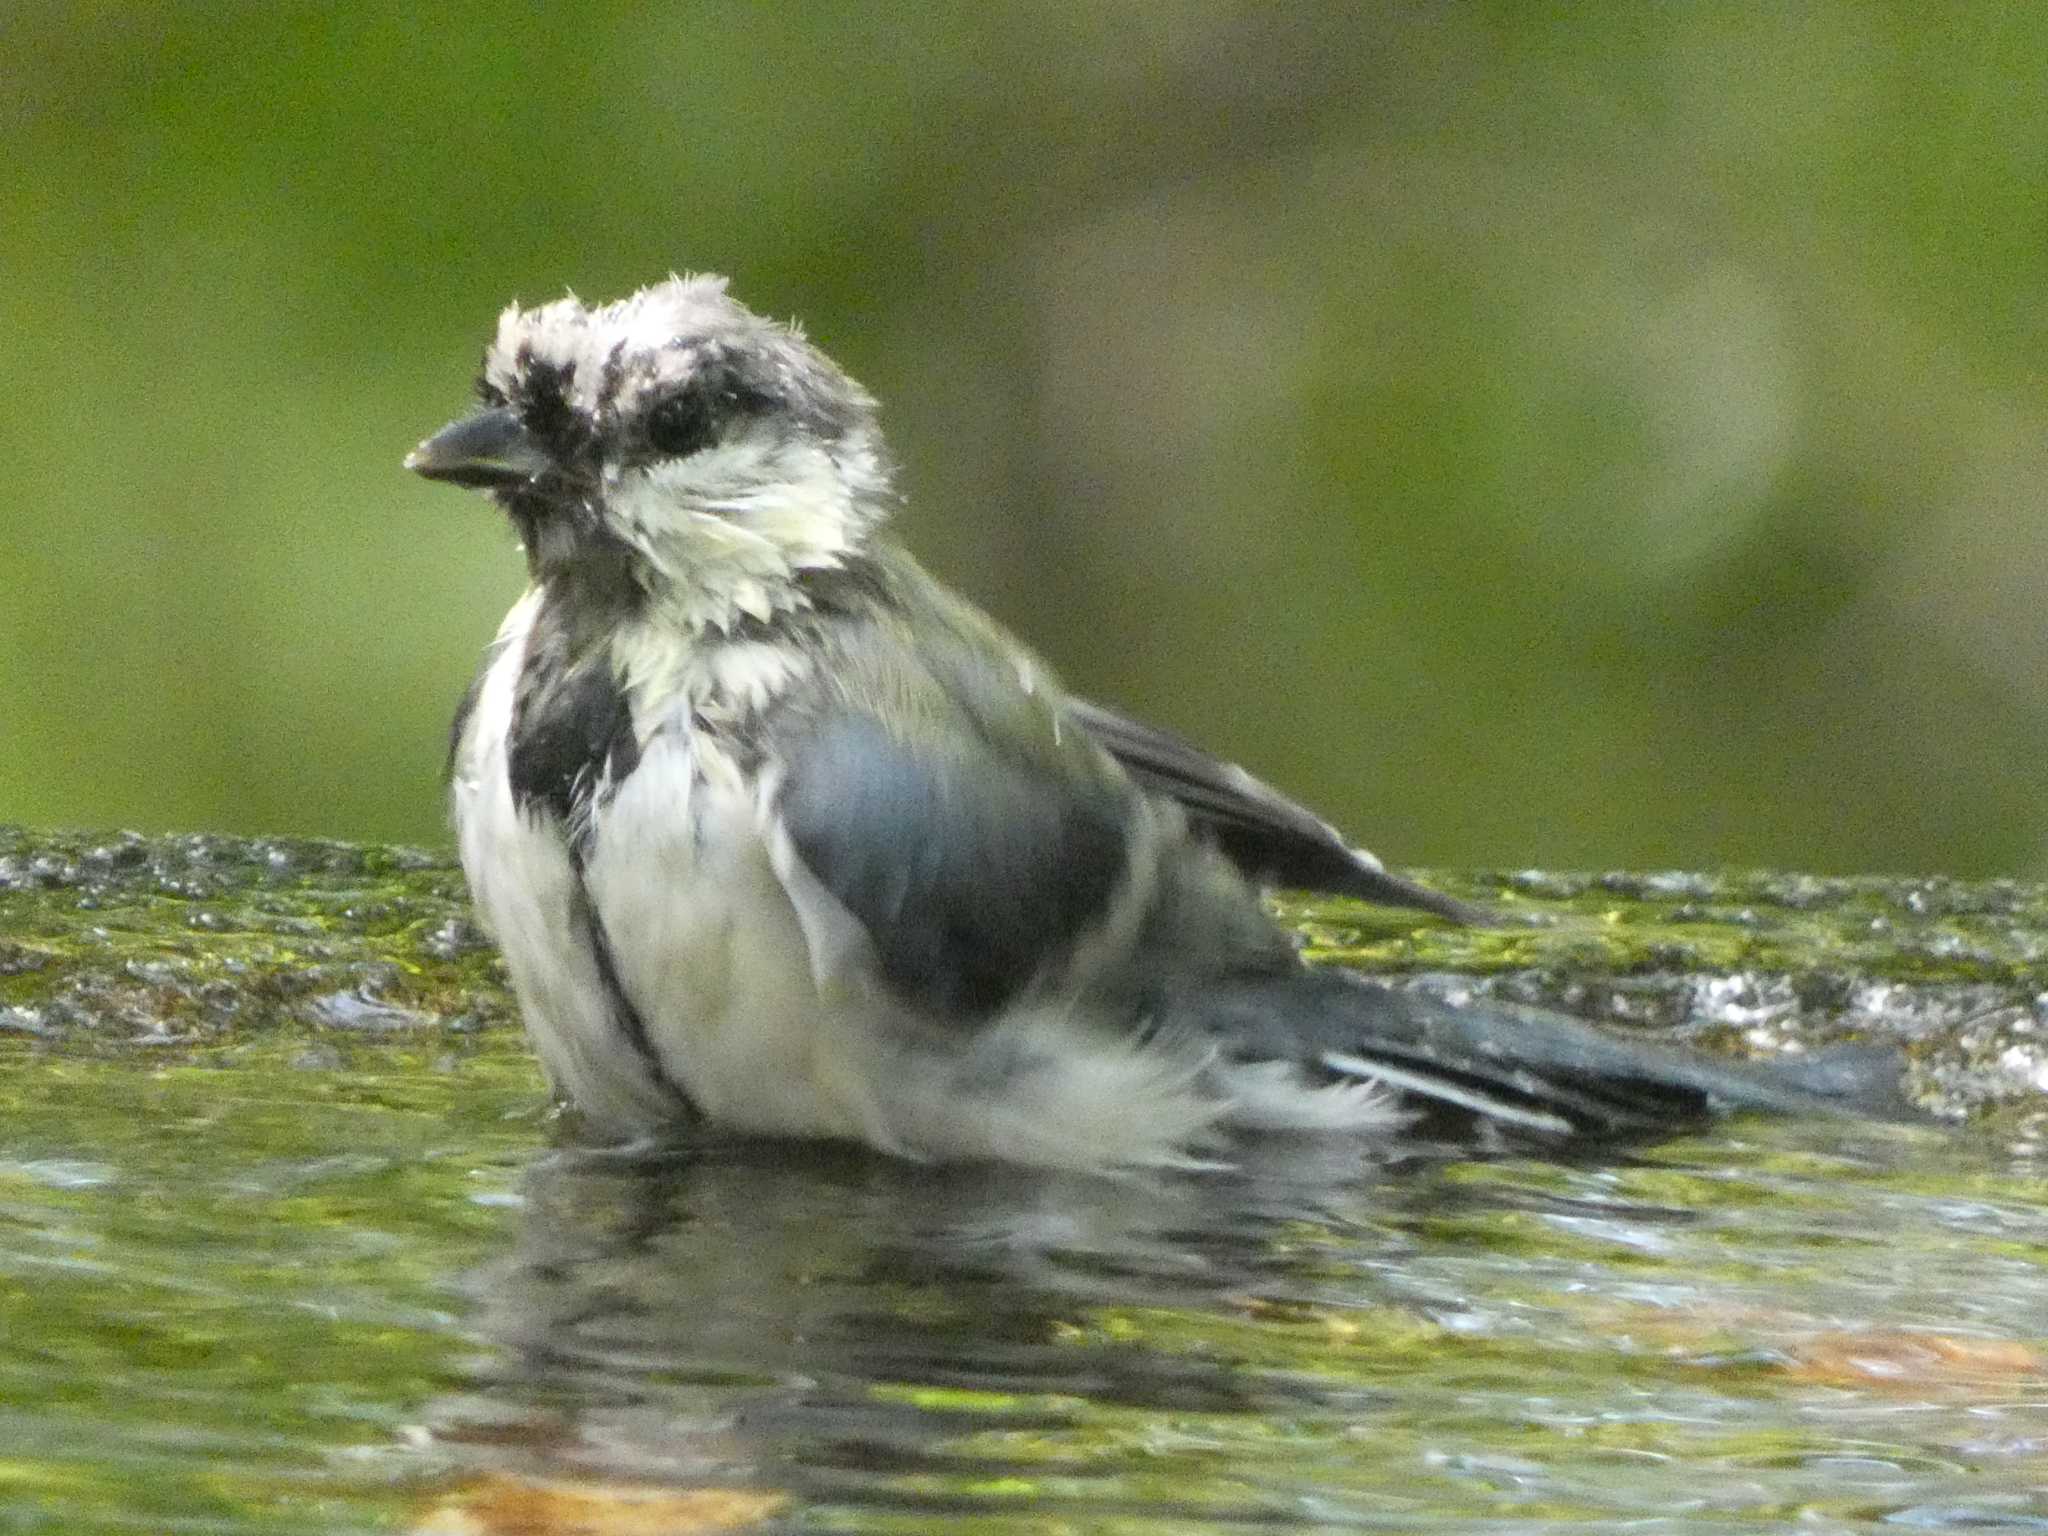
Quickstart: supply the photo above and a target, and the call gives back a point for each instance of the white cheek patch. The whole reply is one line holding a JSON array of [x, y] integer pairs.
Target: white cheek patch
[[787, 494], [728, 528]]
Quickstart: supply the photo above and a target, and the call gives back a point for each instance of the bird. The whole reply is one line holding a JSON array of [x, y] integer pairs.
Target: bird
[[777, 833]]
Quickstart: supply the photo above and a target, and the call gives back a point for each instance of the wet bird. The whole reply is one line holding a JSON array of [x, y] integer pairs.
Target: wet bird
[[775, 831]]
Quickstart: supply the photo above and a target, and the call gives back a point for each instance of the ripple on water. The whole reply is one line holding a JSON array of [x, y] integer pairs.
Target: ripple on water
[[239, 1297]]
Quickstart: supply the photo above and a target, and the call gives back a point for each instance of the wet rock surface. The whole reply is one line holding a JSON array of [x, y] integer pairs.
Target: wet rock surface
[[1954, 972], [125, 940]]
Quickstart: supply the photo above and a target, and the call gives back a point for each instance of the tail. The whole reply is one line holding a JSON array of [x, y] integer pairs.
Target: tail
[[1527, 1068]]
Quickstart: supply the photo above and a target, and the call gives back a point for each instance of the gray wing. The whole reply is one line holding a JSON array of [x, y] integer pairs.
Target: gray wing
[[973, 869], [1268, 836]]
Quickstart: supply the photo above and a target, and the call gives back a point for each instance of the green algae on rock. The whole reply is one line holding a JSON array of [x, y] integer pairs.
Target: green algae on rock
[[114, 939], [1953, 971], [122, 938]]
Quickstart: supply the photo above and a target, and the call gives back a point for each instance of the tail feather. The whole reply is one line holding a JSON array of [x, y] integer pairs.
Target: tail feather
[[1530, 1069]]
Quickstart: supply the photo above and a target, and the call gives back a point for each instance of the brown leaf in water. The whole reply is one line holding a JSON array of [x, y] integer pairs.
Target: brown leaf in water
[[1909, 1361], [512, 1506]]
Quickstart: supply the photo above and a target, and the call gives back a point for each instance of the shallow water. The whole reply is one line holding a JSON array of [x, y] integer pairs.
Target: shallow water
[[337, 1285]]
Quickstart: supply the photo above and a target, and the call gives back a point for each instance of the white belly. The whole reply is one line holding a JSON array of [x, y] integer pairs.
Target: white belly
[[757, 993], [704, 941], [708, 946]]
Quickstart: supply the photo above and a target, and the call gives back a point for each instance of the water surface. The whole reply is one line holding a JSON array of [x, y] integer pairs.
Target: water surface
[[319, 1283]]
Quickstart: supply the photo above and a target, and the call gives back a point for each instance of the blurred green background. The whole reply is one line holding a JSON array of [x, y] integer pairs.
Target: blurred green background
[[1612, 438]]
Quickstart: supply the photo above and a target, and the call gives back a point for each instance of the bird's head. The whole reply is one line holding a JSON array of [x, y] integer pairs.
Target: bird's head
[[673, 447]]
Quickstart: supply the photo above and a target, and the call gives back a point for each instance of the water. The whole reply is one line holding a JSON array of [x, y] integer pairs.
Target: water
[[366, 1285]]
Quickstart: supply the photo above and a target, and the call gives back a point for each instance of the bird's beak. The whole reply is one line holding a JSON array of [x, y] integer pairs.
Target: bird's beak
[[488, 449]]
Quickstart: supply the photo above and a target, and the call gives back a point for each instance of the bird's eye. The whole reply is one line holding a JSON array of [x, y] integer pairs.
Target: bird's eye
[[680, 423]]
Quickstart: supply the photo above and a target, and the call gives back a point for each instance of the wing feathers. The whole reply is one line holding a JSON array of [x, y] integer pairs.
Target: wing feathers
[[1267, 835], [972, 878]]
